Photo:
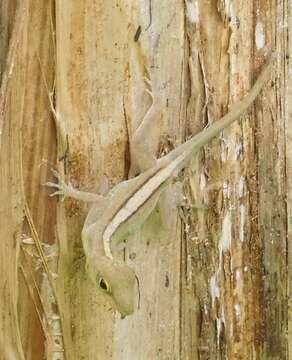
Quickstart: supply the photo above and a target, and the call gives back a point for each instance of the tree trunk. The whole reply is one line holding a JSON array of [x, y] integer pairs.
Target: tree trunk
[[215, 281]]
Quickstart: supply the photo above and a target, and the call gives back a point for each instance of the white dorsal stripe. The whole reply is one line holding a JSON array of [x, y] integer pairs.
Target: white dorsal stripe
[[139, 198], [145, 192]]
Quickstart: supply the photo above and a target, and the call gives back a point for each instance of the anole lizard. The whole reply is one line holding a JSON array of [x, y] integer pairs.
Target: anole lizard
[[112, 218]]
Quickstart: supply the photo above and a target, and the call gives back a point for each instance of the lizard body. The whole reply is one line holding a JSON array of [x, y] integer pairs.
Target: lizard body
[[127, 206]]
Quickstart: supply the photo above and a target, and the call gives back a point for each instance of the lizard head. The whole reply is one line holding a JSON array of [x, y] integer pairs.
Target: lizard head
[[114, 279]]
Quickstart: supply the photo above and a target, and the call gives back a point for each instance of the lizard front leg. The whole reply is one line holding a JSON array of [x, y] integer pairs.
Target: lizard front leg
[[67, 190]]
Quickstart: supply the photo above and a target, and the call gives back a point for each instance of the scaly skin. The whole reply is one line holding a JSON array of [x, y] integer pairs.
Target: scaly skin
[[127, 206]]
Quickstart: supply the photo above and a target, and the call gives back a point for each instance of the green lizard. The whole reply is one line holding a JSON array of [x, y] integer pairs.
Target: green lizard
[[112, 218]]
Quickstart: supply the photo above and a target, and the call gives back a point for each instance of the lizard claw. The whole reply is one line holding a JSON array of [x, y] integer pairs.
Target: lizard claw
[[155, 99], [51, 184], [150, 93], [58, 192], [148, 88], [148, 82], [56, 174]]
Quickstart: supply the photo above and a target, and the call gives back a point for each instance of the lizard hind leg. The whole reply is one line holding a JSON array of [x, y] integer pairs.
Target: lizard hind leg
[[144, 146], [145, 140]]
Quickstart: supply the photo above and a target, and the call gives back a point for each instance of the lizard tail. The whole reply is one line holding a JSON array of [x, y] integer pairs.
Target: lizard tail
[[195, 143]]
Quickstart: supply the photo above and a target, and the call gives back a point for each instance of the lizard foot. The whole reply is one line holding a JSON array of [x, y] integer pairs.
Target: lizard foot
[[63, 189]]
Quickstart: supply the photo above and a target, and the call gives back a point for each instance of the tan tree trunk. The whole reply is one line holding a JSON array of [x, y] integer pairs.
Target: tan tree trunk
[[215, 283]]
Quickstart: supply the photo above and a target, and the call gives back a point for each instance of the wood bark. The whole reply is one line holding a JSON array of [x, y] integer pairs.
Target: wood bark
[[215, 282]]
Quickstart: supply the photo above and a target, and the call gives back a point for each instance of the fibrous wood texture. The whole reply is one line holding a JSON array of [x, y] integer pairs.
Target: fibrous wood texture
[[214, 280]]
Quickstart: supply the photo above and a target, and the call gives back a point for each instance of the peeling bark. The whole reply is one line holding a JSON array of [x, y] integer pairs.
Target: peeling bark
[[215, 284]]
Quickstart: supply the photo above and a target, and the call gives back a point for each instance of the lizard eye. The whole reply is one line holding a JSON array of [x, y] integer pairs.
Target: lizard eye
[[103, 284]]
